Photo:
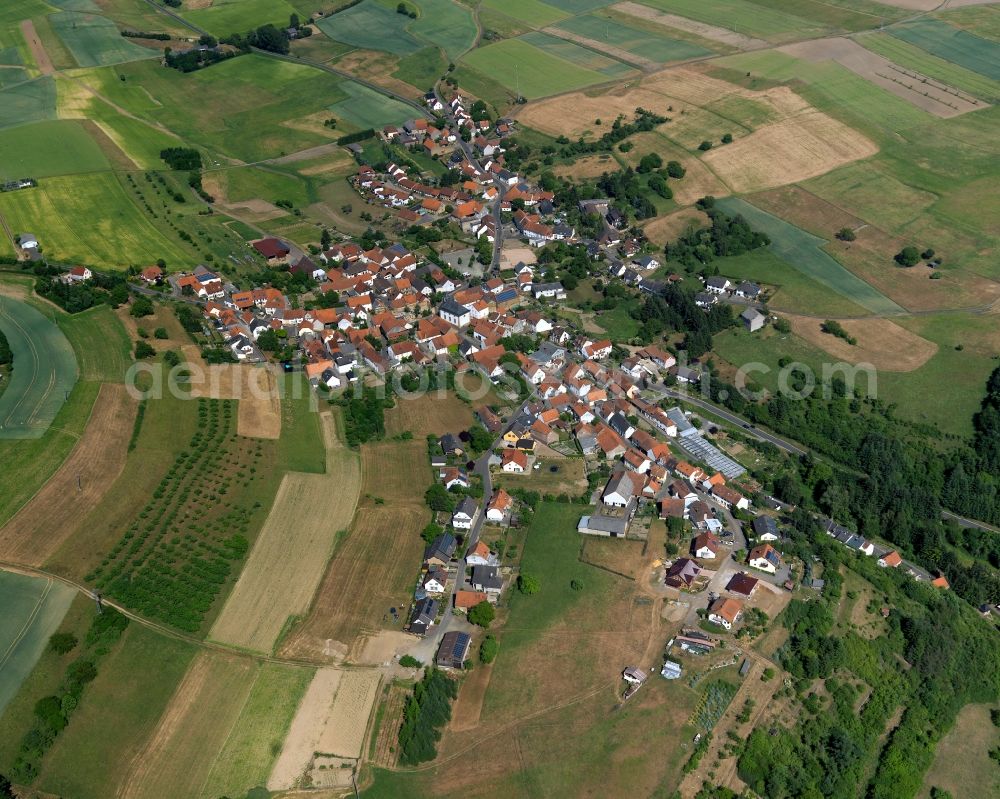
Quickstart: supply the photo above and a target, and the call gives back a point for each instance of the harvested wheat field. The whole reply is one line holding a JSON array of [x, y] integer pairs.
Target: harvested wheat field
[[307, 727], [925, 93], [881, 342], [176, 761], [663, 229], [290, 555], [42, 525], [794, 149], [332, 718], [375, 567], [429, 413], [712, 32], [344, 732], [260, 411]]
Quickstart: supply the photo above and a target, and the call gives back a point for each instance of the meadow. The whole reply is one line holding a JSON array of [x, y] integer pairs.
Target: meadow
[[45, 372], [45, 149], [366, 108], [223, 17], [534, 13], [33, 101], [534, 73], [743, 16], [371, 26], [639, 42], [34, 608], [89, 219], [912, 57], [103, 350], [578, 54], [91, 757], [447, 24], [28, 463], [95, 41], [951, 44], [962, 763], [802, 250]]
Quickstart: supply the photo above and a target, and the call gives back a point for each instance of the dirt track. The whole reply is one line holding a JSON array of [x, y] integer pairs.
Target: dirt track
[[41, 526], [42, 60]]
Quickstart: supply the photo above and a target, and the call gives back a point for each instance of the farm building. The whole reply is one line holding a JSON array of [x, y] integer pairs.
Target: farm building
[[453, 651]]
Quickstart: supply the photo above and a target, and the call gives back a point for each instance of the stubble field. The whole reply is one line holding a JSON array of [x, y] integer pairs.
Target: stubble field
[[289, 558]]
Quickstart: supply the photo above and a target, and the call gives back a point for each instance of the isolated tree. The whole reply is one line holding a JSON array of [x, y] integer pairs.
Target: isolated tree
[[438, 498], [727, 138], [144, 350], [908, 256], [705, 145], [527, 584], [488, 649], [649, 162], [846, 234], [482, 615], [293, 21], [161, 333], [141, 306], [61, 643], [675, 170], [927, 254], [268, 341], [479, 438]]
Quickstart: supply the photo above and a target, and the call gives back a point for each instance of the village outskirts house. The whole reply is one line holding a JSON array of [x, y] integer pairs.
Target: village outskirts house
[[765, 558], [465, 514], [453, 650], [488, 580], [725, 612]]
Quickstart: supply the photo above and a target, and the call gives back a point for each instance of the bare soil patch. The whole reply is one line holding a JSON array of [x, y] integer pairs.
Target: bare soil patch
[[667, 228], [377, 67], [925, 93], [716, 34], [881, 342], [794, 149], [48, 519], [381, 648], [511, 256], [41, 58], [290, 555]]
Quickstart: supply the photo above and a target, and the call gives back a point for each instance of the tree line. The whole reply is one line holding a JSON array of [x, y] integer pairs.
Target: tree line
[[427, 710]]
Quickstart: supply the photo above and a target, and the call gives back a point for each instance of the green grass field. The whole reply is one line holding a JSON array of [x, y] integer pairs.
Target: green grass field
[[912, 57], [43, 680], [11, 77], [45, 371], [533, 12], [95, 41], [579, 6], [635, 40], [33, 608], [239, 16], [136, 15], [371, 26], [849, 15], [520, 66], [422, 68], [249, 107], [102, 346], [366, 108], [797, 292], [117, 713], [744, 16], [802, 250], [141, 142], [89, 218], [246, 183], [28, 463], [951, 44], [33, 101], [44, 149], [447, 24], [246, 757], [577, 54]]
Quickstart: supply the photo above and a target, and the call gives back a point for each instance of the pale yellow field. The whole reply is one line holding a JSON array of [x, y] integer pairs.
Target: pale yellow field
[[290, 556]]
